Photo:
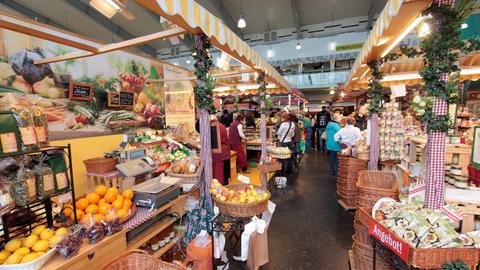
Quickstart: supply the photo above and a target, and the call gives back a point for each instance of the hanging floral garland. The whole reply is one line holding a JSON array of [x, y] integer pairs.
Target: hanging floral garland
[[235, 100], [375, 90], [262, 92], [203, 89]]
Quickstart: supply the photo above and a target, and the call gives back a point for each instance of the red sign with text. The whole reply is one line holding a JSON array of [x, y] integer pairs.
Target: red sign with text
[[389, 239]]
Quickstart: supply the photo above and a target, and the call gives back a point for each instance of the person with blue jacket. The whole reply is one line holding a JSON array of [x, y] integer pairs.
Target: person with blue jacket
[[333, 146]]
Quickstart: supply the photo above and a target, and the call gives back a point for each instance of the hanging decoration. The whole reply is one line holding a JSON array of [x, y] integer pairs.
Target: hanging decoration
[[236, 109], [262, 97]]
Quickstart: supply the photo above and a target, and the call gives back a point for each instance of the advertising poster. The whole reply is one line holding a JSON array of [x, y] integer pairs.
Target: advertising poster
[[179, 98]]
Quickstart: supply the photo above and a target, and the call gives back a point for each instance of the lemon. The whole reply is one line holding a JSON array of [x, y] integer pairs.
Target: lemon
[[6, 253], [3, 257], [22, 251], [30, 241], [29, 257], [13, 259], [61, 232], [47, 234], [54, 240], [13, 245], [41, 245], [38, 230], [40, 253]]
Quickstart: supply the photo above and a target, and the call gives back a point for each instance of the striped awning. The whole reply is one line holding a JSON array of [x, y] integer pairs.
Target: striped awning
[[195, 18]]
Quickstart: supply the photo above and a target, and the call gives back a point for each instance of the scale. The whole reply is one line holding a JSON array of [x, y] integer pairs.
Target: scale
[[156, 192], [136, 167]]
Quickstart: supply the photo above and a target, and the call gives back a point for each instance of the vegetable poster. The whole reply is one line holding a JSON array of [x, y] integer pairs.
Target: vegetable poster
[[92, 96], [179, 98]]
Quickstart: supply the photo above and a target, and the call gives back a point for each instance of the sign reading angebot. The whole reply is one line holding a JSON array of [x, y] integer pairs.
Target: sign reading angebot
[[389, 239]]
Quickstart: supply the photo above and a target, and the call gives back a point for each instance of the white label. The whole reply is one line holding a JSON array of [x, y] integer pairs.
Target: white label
[[32, 189], [62, 180], [48, 183]]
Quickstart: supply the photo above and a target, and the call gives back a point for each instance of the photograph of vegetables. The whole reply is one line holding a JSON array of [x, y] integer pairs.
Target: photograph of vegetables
[[22, 83]]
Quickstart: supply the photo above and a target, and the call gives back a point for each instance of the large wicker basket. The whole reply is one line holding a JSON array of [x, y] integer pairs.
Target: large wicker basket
[[348, 170], [242, 209], [139, 259], [100, 164], [374, 185]]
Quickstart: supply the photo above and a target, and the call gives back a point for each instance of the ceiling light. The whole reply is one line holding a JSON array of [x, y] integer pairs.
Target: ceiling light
[[105, 7], [342, 94], [188, 61], [175, 64], [241, 22], [270, 53], [402, 35], [332, 92], [382, 41], [464, 26], [424, 30], [333, 46], [470, 71], [113, 4], [354, 78], [298, 47], [401, 77]]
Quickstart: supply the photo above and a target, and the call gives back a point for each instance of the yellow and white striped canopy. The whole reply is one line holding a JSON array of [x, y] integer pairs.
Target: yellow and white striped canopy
[[195, 18]]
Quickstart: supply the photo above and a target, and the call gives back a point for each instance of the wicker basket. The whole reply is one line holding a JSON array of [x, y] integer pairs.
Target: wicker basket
[[273, 167], [361, 233], [139, 259], [366, 263], [100, 164], [374, 185], [347, 178], [186, 178], [242, 209]]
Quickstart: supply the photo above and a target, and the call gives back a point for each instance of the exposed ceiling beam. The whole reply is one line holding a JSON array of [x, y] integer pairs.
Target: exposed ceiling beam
[[12, 4], [296, 18], [227, 17], [108, 24], [370, 16]]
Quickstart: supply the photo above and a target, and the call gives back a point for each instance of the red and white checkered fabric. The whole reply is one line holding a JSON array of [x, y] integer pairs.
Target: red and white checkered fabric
[[445, 2], [434, 195], [440, 106], [141, 216], [206, 156]]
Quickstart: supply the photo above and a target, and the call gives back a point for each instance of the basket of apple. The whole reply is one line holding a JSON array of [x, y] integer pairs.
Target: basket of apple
[[239, 200]]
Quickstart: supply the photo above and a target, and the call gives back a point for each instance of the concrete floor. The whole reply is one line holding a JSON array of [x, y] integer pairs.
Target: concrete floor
[[309, 230]]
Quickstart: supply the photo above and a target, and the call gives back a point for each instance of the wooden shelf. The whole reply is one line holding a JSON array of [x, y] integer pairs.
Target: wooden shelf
[[147, 235], [159, 253]]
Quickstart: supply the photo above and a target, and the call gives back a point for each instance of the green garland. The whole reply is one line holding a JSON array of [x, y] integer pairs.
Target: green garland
[[262, 92], [205, 84], [456, 265], [375, 90], [235, 100]]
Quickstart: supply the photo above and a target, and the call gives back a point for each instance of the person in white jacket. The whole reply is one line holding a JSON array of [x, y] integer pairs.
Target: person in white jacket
[[349, 134]]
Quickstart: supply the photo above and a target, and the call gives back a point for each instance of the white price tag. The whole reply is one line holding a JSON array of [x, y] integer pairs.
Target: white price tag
[[65, 198]]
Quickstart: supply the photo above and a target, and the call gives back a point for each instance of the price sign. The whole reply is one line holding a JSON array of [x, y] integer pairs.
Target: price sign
[[81, 91], [127, 99], [113, 99], [389, 239]]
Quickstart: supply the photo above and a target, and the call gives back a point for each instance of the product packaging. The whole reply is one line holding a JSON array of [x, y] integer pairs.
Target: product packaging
[[9, 134], [23, 187], [59, 167], [40, 126], [45, 181], [26, 128]]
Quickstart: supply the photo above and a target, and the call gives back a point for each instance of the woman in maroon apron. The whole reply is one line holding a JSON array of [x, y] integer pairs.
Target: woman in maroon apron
[[218, 159], [236, 136]]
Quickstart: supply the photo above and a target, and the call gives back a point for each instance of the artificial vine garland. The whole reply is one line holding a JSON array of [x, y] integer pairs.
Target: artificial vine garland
[[375, 90], [203, 89], [262, 91], [236, 99]]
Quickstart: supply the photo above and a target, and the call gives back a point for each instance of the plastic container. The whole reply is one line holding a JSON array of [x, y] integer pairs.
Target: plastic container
[[199, 251], [33, 265]]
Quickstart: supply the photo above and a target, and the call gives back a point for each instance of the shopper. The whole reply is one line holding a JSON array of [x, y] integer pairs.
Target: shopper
[[313, 137], [307, 125], [361, 117], [297, 138], [323, 117], [286, 134], [348, 135], [219, 159], [250, 120], [333, 147], [236, 136], [226, 119]]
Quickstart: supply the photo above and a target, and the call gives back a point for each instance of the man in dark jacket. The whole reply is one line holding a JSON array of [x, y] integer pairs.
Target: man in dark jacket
[[323, 117], [226, 119]]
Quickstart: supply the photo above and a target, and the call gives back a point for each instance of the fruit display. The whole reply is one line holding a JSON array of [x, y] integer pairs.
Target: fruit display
[[102, 205], [250, 194], [27, 249], [185, 166], [392, 133]]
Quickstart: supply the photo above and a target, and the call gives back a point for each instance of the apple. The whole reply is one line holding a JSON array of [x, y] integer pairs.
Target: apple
[[218, 196], [213, 191], [223, 198]]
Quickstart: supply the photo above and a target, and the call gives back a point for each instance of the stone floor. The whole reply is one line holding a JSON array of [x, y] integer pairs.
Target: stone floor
[[309, 230]]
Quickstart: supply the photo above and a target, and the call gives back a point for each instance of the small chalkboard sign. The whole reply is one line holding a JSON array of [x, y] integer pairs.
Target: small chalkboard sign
[[113, 99], [80, 91], [127, 99], [216, 139]]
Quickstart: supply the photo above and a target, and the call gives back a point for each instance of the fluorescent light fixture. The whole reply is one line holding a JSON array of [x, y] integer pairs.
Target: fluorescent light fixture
[[105, 7], [402, 35], [354, 78], [175, 63], [424, 30], [241, 22], [188, 62], [113, 5], [364, 73], [401, 77], [333, 46], [464, 26], [363, 65], [470, 71], [382, 41], [332, 92], [298, 47], [270, 53], [242, 87]]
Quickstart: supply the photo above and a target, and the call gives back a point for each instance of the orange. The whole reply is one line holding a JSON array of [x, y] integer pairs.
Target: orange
[[85, 219], [101, 190], [93, 198], [120, 198], [127, 203], [80, 214], [67, 211], [82, 203], [112, 189], [99, 218], [110, 196], [117, 204], [91, 209], [104, 208], [128, 194], [122, 213], [102, 201]]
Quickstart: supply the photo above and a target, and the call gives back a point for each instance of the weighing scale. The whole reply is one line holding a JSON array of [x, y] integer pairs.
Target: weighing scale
[[156, 192], [136, 167]]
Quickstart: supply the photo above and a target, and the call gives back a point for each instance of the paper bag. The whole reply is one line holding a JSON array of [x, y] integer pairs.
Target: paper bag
[[257, 251]]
